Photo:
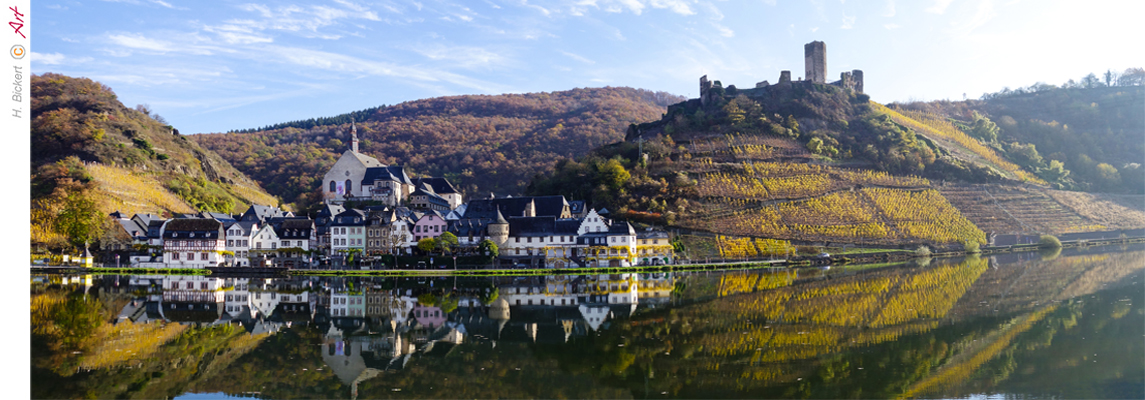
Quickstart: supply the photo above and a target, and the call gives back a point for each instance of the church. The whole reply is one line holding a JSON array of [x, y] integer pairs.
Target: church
[[358, 177]]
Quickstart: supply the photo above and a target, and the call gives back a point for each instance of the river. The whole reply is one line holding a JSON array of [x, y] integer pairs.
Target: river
[[1065, 324]]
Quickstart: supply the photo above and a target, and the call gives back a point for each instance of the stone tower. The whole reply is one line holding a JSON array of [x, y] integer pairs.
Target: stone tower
[[705, 89], [857, 78], [815, 60], [499, 229], [353, 136]]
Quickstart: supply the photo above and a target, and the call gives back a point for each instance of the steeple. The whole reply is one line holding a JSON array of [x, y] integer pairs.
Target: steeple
[[353, 136]]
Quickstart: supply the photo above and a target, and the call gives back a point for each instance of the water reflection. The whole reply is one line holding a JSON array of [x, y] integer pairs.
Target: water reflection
[[946, 328]]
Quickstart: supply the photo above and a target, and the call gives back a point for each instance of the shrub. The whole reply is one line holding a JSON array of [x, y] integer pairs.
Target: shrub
[[1049, 242], [922, 251]]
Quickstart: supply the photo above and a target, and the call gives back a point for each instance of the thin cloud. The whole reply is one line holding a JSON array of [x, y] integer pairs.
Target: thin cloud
[[138, 42], [889, 10], [56, 59], [939, 6], [848, 22], [578, 58], [724, 31], [891, 26]]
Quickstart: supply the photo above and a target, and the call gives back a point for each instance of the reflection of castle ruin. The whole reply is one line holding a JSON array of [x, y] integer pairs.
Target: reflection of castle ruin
[[815, 66]]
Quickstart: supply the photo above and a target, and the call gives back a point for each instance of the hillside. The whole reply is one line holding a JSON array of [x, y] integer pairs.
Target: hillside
[[93, 155], [1095, 133], [802, 163], [481, 143]]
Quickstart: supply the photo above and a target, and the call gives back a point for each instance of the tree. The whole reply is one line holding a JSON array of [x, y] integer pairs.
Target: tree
[[426, 245], [1110, 77], [815, 145], [1132, 77], [983, 128], [1026, 154], [80, 220], [612, 174], [446, 242], [1090, 81], [1055, 172], [487, 247]]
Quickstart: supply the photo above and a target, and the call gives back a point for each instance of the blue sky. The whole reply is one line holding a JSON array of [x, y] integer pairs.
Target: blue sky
[[220, 65]]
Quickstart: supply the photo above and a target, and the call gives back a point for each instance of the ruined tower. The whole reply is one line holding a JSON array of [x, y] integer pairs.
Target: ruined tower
[[815, 60], [705, 88], [857, 78]]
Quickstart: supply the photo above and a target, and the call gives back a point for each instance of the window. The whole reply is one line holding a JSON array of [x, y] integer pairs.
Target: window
[[190, 256], [348, 186], [529, 240], [230, 243], [517, 240], [333, 187], [174, 256], [190, 285], [203, 285]]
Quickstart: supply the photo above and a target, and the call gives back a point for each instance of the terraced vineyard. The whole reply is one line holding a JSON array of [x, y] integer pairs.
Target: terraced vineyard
[[1012, 209], [870, 215]]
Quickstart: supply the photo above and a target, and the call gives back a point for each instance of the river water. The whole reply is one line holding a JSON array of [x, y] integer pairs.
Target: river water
[[1067, 324]]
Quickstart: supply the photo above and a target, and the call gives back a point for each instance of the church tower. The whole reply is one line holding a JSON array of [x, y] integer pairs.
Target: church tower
[[353, 136]]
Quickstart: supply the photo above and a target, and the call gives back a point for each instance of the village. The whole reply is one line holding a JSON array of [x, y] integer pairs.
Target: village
[[371, 209]]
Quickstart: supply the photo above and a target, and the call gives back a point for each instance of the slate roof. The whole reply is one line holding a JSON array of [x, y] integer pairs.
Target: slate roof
[[298, 228], [576, 207], [132, 228], [621, 228], [246, 227], [262, 213], [475, 227], [541, 226], [433, 198], [439, 185], [193, 228], [346, 218], [390, 173], [192, 312], [550, 206], [510, 206]]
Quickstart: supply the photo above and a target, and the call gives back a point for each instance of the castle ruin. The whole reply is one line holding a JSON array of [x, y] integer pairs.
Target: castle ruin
[[815, 61], [815, 65]]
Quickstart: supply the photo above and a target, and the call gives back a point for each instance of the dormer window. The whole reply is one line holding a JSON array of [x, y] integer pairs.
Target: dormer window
[[174, 234]]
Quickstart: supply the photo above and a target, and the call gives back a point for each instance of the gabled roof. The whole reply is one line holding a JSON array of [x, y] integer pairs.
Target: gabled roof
[[246, 227], [366, 160], [431, 197], [222, 217], [346, 218], [651, 235], [550, 206], [439, 185], [391, 173], [132, 228], [576, 206], [621, 228], [262, 213]]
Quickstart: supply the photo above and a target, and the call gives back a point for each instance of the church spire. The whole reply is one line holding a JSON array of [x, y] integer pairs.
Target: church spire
[[353, 135]]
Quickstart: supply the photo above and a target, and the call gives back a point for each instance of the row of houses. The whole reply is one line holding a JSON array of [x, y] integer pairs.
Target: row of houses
[[536, 231], [371, 209]]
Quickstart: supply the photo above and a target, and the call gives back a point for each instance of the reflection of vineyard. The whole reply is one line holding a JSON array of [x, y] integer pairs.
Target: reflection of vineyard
[[1023, 286], [759, 333], [869, 215], [1011, 210]]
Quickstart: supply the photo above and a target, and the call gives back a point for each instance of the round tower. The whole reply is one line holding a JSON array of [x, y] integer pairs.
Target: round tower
[[499, 230]]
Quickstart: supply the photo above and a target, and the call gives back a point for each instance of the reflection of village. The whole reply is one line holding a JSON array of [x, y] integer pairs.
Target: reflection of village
[[378, 324]]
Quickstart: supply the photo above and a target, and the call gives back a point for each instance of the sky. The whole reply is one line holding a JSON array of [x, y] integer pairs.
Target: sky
[[222, 65]]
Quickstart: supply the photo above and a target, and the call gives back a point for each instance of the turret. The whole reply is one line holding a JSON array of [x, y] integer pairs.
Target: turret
[[499, 229]]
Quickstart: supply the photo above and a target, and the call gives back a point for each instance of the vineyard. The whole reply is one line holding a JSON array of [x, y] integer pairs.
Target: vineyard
[[940, 130], [771, 181], [869, 215], [1013, 210], [132, 193]]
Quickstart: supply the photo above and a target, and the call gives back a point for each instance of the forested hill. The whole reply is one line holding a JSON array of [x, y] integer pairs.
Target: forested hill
[[1095, 132], [482, 143], [91, 155]]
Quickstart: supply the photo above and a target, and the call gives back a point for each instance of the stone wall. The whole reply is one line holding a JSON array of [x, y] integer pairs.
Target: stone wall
[[815, 61]]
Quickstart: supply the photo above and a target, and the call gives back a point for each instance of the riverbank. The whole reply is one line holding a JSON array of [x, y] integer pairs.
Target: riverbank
[[853, 259]]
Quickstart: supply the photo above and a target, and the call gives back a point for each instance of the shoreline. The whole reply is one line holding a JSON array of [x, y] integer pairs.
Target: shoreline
[[856, 260]]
